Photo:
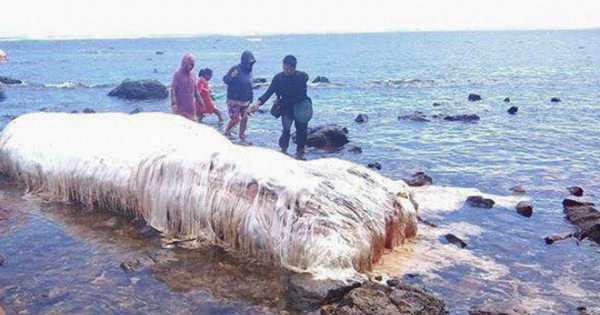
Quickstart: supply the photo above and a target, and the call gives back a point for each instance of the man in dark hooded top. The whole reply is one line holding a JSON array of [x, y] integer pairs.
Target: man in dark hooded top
[[239, 93]]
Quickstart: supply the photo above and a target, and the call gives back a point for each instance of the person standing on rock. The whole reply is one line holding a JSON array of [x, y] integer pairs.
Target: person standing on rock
[[290, 87], [239, 93], [206, 93], [184, 90]]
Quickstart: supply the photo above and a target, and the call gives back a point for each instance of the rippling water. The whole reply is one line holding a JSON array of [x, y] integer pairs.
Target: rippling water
[[545, 148]]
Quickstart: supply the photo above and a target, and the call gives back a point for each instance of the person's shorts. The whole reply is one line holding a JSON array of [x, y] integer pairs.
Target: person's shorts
[[237, 109]]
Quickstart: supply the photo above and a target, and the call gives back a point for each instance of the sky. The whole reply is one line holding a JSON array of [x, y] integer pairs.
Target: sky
[[141, 18]]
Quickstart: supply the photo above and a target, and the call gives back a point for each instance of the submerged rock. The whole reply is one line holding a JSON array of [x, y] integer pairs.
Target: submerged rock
[[9, 81], [498, 308], [585, 216], [474, 97], [416, 116], [453, 239], [507, 100], [374, 165], [327, 136], [137, 110], [575, 191], [463, 117], [513, 110], [362, 118], [517, 189], [88, 111], [320, 79], [160, 52], [480, 202], [304, 293], [74, 112], [426, 222], [550, 239], [436, 104], [419, 179], [555, 100], [140, 90], [355, 149], [525, 209]]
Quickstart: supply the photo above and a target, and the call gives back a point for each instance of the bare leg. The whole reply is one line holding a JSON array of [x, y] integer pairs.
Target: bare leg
[[219, 115], [230, 126], [243, 124]]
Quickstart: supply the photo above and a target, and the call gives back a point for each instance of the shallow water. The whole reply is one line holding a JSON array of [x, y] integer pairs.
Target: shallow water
[[545, 148]]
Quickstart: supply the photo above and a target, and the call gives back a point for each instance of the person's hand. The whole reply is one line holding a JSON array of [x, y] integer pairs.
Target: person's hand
[[254, 108], [234, 73]]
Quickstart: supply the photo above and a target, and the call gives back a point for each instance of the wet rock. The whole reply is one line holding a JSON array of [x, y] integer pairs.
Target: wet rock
[[392, 282], [365, 301], [426, 222], [555, 100], [304, 293], [517, 189], [419, 179], [525, 209], [43, 109], [585, 216], [2, 259], [362, 118], [575, 191], [74, 112], [550, 239], [462, 117], [416, 116], [88, 111], [160, 52], [453, 239], [374, 165], [439, 116], [474, 97], [321, 79], [355, 149], [112, 222], [327, 136], [513, 110], [136, 111], [436, 104], [498, 308], [140, 90], [507, 100], [480, 202], [9, 81], [136, 264], [155, 70], [411, 300]]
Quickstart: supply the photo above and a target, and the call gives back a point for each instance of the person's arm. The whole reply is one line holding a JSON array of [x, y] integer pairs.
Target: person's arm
[[265, 97], [199, 99], [173, 96], [231, 76]]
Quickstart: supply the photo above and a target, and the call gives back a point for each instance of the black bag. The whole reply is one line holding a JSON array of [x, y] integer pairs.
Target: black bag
[[276, 108]]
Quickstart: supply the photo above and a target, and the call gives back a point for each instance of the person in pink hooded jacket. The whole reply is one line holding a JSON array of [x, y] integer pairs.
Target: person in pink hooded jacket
[[184, 90]]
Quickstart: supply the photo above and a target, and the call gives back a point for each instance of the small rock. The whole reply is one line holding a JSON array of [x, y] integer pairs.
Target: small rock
[[517, 189], [2, 260], [419, 179], [416, 116], [498, 308], [9, 81], [74, 112], [136, 111], [160, 52], [136, 264], [480, 202], [513, 110], [507, 100], [463, 117], [320, 79], [112, 222], [362, 118], [550, 239], [392, 282], [374, 165], [575, 191], [43, 109], [474, 97], [437, 104], [555, 100], [326, 136], [88, 111], [525, 208], [140, 90], [453, 239], [355, 149], [155, 70], [426, 222]]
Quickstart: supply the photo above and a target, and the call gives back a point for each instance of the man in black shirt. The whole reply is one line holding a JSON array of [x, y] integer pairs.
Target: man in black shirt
[[290, 87]]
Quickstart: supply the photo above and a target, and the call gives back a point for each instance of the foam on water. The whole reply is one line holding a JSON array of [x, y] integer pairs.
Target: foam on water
[[327, 216]]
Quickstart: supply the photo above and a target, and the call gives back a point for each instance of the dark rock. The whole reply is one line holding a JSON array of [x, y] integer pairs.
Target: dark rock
[[304, 293], [411, 300], [355, 149], [140, 90], [437, 104], [463, 117], [585, 216], [160, 52], [416, 116], [525, 208], [136, 111], [550, 239], [419, 179], [507, 100], [426, 222], [88, 111], [480, 202], [495, 308], [362, 118], [365, 301], [517, 189], [374, 165], [438, 116], [2, 260], [573, 203], [392, 282], [474, 97], [320, 79], [2, 94], [453, 239], [555, 100], [10, 81], [575, 191], [327, 136], [74, 112], [155, 71], [513, 110], [43, 109]]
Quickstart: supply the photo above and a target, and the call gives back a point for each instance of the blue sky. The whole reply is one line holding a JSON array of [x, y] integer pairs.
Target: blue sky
[[138, 18]]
